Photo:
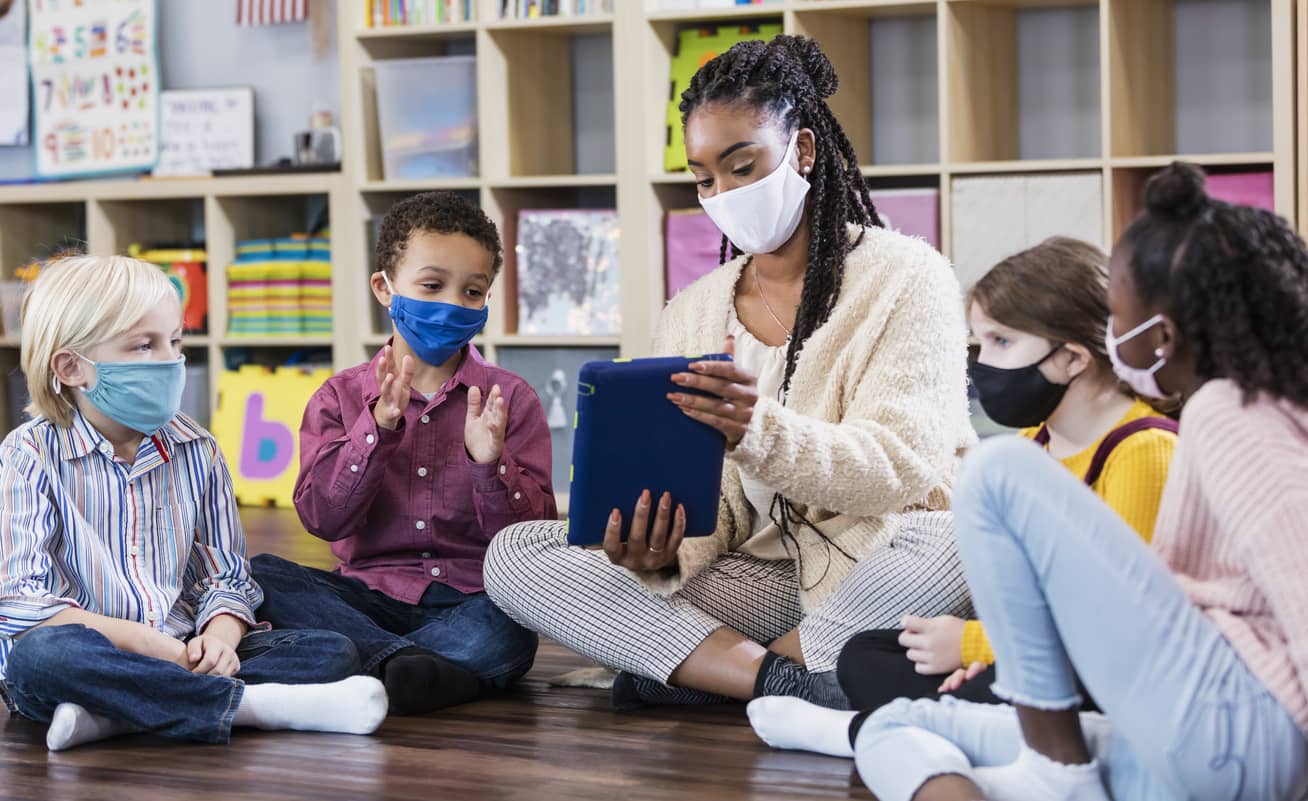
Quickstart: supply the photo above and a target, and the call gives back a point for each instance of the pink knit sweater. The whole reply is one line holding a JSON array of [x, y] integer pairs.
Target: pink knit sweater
[[1233, 527]]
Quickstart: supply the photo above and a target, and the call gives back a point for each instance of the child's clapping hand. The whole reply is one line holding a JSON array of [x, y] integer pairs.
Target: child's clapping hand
[[483, 434], [395, 388]]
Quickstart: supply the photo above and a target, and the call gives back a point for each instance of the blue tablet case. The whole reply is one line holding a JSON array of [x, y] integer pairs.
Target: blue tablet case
[[630, 438]]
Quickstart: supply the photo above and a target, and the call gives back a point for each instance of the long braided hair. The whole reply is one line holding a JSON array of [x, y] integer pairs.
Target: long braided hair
[[789, 79]]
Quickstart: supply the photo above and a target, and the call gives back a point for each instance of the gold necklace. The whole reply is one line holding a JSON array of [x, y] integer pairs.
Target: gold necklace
[[759, 285]]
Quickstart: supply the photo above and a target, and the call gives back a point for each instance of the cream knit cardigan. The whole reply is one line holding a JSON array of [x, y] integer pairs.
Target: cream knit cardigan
[[875, 422]]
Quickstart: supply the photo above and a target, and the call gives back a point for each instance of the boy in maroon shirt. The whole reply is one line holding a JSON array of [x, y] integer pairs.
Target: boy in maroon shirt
[[409, 465]]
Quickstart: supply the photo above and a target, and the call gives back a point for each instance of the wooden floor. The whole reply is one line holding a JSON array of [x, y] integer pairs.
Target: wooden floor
[[537, 744]]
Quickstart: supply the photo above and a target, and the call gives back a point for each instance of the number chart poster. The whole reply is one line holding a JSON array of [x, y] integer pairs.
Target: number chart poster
[[95, 86]]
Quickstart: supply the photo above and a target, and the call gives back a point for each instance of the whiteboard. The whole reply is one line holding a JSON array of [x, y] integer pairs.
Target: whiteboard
[[95, 85], [201, 130]]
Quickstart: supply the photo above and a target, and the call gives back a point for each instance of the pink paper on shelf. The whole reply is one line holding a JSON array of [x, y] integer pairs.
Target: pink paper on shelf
[[694, 247], [913, 212], [1255, 189]]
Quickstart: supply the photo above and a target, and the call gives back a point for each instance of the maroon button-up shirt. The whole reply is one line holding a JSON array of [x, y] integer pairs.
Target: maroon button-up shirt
[[408, 507]]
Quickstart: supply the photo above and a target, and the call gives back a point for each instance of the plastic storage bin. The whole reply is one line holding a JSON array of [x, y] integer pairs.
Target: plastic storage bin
[[427, 115]]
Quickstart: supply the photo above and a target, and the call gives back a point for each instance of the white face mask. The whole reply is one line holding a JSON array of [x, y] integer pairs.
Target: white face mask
[[1143, 382], [760, 217]]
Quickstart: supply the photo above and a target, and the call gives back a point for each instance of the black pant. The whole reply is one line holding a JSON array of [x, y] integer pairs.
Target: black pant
[[874, 669]]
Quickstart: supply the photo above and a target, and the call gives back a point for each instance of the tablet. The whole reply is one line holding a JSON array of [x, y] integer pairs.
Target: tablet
[[629, 437]]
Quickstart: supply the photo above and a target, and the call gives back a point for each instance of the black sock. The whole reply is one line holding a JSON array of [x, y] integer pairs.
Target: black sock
[[633, 692], [419, 681], [778, 675]]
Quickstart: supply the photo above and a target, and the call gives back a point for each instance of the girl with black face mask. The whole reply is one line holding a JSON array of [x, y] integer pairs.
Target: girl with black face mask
[[1042, 367]]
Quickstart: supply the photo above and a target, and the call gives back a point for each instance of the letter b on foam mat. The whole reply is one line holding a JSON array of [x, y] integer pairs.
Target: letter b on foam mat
[[257, 425]]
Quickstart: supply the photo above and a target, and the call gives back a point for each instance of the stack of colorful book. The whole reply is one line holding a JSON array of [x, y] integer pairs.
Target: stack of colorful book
[[386, 13], [280, 287]]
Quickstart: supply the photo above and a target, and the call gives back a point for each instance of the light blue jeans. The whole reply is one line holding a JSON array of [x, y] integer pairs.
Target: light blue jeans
[[1067, 589]]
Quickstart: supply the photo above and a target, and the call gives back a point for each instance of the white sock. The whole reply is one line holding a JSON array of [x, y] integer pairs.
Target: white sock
[[356, 705], [71, 726], [1036, 777], [796, 725]]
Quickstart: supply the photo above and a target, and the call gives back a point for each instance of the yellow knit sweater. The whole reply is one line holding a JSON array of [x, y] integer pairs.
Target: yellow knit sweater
[[1131, 482]]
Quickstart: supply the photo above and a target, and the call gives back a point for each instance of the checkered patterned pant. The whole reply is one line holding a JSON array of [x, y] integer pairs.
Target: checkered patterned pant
[[578, 598]]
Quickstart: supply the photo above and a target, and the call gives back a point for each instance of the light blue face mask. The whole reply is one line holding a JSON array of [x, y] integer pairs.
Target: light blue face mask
[[142, 396]]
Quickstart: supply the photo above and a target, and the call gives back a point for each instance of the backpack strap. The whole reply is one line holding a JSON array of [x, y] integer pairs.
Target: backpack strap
[[1117, 436], [1042, 436]]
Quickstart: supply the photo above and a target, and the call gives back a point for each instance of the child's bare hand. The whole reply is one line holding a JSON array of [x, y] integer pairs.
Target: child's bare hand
[[934, 643], [961, 676], [483, 433], [212, 657], [395, 389]]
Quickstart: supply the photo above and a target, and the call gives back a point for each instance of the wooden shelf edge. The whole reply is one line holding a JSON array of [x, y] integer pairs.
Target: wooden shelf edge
[[1024, 166], [763, 10], [11, 342], [899, 170], [580, 23], [169, 188], [402, 32], [552, 181], [867, 8], [432, 185], [664, 178]]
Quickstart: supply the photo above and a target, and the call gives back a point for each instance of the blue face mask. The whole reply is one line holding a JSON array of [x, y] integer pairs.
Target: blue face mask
[[436, 331], [142, 396]]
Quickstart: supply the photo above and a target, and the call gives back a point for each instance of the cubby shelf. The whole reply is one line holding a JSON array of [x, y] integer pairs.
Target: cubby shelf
[[935, 94], [417, 33]]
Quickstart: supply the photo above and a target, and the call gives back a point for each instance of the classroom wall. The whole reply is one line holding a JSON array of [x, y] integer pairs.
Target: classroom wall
[[201, 47]]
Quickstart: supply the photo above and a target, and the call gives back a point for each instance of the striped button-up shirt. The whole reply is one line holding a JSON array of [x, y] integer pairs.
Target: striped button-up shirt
[[156, 542]]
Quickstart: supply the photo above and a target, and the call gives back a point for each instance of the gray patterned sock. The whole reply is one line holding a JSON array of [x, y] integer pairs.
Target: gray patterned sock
[[634, 692], [780, 676]]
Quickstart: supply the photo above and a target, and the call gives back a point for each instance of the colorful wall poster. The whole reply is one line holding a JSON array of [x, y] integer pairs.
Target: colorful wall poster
[[95, 85]]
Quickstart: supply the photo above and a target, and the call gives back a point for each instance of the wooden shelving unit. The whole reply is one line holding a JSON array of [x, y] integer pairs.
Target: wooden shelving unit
[[932, 91], [108, 216]]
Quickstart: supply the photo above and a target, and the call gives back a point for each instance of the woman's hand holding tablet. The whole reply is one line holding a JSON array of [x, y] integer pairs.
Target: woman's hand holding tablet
[[633, 440], [646, 548], [735, 390]]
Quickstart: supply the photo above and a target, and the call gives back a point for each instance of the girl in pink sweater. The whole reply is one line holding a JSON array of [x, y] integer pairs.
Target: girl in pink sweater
[[1197, 652]]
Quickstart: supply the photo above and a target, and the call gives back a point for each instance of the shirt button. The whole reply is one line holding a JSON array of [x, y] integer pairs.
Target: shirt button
[[435, 571], [152, 616], [422, 472], [370, 439], [425, 418], [354, 468], [503, 469], [426, 554], [421, 525], [134, 551], [517, 496]]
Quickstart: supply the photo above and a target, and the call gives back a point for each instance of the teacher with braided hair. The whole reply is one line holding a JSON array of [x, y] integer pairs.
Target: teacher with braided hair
[[845, 414]]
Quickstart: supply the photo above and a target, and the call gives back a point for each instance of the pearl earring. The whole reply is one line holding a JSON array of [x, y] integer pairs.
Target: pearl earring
[[1158, 352], [806, 169]]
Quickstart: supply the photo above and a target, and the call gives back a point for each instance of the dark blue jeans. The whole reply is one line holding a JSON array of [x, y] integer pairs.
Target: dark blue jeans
[[52, 665], [469, 630]]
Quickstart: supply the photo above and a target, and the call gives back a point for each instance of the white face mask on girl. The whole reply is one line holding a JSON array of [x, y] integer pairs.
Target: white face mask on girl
[[760, 217], [1143, 382]]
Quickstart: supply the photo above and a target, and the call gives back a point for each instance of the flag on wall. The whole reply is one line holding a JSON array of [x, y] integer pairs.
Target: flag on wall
[[271, 12]]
